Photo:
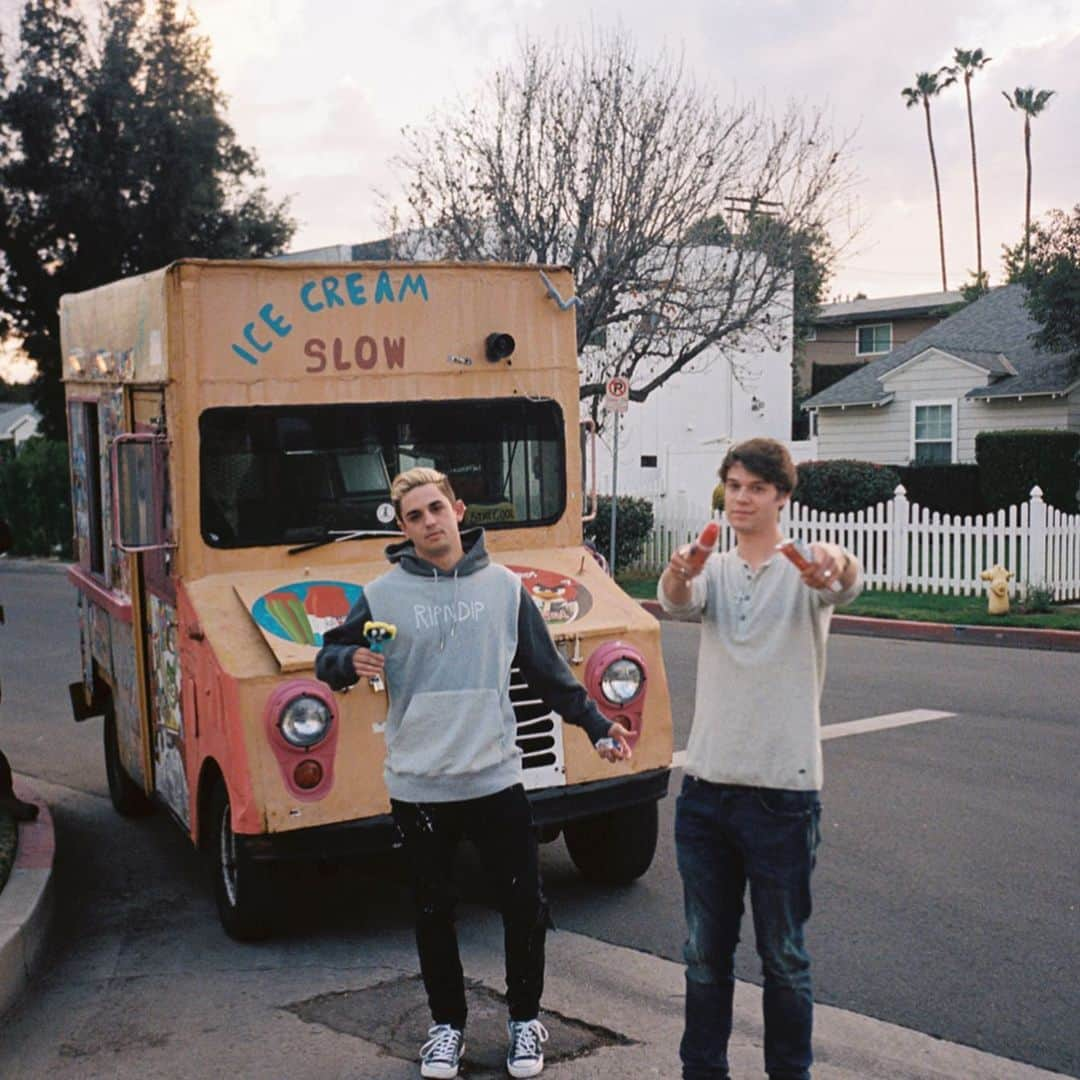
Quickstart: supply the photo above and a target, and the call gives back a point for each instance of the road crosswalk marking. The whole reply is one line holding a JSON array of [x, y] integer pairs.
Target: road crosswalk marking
[[857, 727]]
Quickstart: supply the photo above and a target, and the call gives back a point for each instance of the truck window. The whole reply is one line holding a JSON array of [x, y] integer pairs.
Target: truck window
[[281, 474], [86, 466]]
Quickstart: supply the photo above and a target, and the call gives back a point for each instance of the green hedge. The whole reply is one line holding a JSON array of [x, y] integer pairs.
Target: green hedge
[[35, 499], [633, 523], [843, 486], [1011, 463], [948, 489]]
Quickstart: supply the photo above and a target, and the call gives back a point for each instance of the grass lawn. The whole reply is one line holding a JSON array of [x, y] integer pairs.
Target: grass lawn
[[921, 607]]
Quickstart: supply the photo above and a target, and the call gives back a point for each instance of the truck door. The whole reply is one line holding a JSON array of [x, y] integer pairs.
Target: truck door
[[144, 483]]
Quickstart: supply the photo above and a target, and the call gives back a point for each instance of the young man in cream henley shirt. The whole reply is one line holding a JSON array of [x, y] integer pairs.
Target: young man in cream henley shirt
[[749, 810]]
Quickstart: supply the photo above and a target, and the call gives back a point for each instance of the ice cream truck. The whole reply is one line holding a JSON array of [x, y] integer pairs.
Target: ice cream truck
[[234, 428]]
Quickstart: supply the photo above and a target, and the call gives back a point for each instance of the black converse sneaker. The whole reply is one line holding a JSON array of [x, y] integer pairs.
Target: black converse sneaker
[[441, 1054], [525, 1057]]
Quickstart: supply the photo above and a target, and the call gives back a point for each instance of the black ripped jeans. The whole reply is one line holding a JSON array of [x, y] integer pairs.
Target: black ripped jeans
[[501, 827]]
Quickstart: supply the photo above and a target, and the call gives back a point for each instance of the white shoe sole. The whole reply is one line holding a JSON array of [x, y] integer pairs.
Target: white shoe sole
[[442, 1072], [519, 1072]]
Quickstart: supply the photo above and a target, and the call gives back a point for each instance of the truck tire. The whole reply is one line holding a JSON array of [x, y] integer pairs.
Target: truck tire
[[241, 886], [617, 847], [126, 796]]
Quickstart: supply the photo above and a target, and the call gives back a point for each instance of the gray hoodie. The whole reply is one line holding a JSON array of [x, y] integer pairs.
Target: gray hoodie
[[450, 726]]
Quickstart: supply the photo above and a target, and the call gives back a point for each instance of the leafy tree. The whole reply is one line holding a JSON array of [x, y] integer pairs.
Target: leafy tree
[[651, 191], [1031, 103], [114, 161], [966, 63], [928, 84], [1047, 262]]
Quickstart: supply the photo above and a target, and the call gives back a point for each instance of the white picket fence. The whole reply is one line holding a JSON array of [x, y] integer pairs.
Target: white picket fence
[[902, 545]]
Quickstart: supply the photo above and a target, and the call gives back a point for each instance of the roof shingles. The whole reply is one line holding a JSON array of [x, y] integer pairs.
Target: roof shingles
[[993, 333]]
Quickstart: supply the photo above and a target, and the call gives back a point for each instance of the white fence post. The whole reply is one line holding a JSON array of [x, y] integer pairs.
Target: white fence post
[[1036, 561], [898, 538]]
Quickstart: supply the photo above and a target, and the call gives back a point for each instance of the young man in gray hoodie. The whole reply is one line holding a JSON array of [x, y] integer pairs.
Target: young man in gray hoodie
[[452, 763]]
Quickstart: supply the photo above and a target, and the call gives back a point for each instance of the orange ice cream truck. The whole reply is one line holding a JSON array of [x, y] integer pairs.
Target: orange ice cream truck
[[234, 428]]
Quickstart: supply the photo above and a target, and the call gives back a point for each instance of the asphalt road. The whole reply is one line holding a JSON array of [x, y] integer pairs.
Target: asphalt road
[[945, 895]]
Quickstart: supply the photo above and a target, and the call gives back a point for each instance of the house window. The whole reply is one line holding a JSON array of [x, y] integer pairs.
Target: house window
[[933, 438], [810, 334], [874, 339], [648, 461]]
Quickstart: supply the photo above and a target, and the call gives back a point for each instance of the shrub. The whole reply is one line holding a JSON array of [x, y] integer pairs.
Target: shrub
[[1011, 463], [718, 498], [35, 499], [842, 486], [948, 489], [1037, 600], [633, 523]]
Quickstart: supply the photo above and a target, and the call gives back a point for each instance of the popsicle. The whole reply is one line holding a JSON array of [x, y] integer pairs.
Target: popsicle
[[377, 634], [327, 602], [797, 553], [290, 613], [704, 545]]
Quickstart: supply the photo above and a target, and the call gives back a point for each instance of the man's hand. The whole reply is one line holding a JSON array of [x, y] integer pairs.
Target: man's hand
[[680, 571], [830, 565], [368, 664], [615, 745]]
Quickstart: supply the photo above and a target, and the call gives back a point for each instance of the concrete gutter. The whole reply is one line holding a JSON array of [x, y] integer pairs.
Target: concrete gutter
[[26, 900], [1008, 637]]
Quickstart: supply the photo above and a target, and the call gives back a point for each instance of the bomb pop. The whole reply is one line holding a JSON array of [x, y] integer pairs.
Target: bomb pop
[[797, 553]]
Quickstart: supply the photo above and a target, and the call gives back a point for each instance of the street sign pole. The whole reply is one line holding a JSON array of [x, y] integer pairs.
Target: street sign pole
[[614, 493], [616, 400]]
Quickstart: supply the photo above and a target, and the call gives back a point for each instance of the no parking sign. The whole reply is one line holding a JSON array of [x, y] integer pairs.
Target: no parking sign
[[617, 394]]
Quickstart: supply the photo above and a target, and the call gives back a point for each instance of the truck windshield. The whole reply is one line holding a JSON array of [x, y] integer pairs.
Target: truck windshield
[[285, 474]]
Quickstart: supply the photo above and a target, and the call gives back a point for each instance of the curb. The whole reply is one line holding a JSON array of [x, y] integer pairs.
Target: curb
[[34, 566], [1009, 637], [26, 901]]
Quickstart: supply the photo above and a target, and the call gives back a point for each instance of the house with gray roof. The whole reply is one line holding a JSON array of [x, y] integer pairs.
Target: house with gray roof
[[17, 424], [844, 336], [926, 400]]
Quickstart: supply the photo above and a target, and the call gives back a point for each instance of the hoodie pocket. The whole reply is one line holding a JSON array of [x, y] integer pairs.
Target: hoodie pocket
[[449, 733]]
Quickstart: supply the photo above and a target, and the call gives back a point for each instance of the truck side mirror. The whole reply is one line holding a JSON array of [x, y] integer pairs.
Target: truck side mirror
[[138, 478]]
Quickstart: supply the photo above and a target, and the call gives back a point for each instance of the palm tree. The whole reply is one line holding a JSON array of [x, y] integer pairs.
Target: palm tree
[[928, 84], [1030, 102], [967, 62]]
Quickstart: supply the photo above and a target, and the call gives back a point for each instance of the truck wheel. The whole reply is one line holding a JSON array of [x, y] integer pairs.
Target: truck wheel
[[241, 887], [127, 797], [614, 848]]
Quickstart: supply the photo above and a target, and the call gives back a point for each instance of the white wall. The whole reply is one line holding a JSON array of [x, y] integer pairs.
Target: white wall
[[688, 424]]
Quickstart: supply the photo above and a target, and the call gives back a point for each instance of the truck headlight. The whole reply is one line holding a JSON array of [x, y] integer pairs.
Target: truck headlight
[[621, 681], [305, 721]]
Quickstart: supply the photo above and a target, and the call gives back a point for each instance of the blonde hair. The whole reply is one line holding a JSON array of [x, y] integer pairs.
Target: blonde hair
[[413, 478]]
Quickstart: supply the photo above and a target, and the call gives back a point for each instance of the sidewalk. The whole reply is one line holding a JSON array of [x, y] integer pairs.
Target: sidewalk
[[26, 900]]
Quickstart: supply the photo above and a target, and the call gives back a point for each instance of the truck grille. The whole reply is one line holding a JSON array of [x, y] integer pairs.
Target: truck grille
[[539, 736]]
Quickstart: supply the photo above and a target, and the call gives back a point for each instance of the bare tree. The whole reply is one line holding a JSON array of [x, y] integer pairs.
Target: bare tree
[[680, 217]]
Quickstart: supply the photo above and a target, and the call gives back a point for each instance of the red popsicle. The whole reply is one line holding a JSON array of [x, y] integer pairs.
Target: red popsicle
[[704, 545]]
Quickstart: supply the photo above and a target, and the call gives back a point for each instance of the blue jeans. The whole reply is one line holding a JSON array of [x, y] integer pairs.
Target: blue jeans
[[726, 836]]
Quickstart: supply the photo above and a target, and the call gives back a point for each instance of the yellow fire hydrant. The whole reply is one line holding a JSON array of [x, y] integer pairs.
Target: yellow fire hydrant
[[998, 593]]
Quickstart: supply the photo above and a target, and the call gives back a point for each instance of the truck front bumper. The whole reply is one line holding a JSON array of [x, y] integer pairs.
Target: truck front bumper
[[370, 836]]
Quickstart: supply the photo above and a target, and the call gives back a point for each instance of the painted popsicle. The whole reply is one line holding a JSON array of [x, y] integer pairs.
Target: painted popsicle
[[290, 613]]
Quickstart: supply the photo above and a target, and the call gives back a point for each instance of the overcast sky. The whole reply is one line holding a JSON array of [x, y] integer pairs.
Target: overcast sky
[[321, 88]]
